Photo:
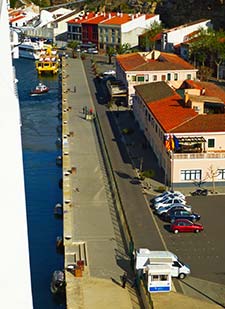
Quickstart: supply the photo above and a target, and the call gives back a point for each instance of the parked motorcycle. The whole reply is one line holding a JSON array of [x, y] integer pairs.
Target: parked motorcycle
[[200, 192]]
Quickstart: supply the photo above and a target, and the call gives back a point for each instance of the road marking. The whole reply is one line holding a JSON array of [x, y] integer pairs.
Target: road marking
[[156, 225]]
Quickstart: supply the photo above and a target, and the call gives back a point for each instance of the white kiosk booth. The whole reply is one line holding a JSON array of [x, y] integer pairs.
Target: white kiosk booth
[[159, 278]]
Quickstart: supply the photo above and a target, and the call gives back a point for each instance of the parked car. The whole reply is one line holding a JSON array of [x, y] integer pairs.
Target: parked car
[[200, 192], [92, 51], [173, 215], [161, 210], [184, 225], [167, 194], [169, 201], [110, 72]]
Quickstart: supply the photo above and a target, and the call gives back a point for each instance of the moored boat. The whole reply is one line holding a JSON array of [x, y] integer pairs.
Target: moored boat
[[31, 50], [58, 282], [39, 89], [48, 62]]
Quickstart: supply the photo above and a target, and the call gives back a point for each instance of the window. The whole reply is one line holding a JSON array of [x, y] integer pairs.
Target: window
[[154, 78], [133, 78], [168, 76], [221, 174], [188, 76], [141, 78], [175, 76], [211, 142], [163, 77], [191, 174], [155, 278]]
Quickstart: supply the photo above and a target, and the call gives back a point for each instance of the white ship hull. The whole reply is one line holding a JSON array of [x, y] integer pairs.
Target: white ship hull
[[29, 54]]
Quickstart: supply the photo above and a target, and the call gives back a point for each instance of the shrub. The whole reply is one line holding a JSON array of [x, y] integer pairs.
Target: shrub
[[148, 173], [161, 189], [127, 131]]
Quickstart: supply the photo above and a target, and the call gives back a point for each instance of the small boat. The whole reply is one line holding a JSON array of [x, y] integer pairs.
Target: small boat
[[58, 282], [39, 89], [58, 210]]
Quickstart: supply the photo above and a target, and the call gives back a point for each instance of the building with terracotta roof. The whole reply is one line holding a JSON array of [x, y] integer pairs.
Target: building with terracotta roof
[[109, 29], [170, 38], [185, 128], [145, 67]]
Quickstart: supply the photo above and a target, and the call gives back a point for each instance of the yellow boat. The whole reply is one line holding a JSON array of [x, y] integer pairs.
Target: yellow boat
[[48, 62]]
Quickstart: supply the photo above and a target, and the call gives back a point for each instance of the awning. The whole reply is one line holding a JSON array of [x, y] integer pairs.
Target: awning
[[191, 140]]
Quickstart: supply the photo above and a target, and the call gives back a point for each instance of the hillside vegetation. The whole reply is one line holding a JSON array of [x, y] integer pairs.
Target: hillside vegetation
[[172, 12]]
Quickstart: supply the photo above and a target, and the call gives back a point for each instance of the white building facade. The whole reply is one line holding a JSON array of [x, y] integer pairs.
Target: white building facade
[[178, 35], [202, 153], [15, 280], [139, 68]]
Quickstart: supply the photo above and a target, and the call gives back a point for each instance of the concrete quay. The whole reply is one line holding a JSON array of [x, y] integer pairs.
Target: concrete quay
[[91, 230]]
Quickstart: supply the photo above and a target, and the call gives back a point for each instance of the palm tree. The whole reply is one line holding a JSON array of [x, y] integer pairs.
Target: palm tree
[[110, 52], [73, 45]]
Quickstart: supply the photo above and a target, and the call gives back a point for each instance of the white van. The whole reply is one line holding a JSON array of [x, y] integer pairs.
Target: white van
[[145, 257]]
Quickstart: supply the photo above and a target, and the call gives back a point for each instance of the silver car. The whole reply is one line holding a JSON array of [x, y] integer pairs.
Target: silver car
[[162, 210]]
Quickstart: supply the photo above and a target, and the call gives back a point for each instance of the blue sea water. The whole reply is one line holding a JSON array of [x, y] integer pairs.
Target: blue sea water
[[42, 175]]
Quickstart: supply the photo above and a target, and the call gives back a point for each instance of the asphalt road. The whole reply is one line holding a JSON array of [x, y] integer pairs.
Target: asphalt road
[[204, 252]]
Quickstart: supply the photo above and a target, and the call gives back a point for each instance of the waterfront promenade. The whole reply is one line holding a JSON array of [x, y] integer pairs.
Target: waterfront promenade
[[91, 231]]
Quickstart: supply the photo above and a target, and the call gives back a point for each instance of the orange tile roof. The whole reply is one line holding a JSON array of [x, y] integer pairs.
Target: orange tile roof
[[170, 113], [112, 18], [80, 20], [11, 20], [119, 20], [166, 61], [203, 123], [173, 116], [211, 89], [97, 19]]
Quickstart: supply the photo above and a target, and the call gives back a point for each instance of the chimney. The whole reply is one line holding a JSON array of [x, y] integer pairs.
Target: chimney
[[186, 98]]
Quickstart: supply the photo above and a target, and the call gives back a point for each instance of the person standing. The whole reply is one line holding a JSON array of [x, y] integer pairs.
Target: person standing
[[74, 89], [124, 280]]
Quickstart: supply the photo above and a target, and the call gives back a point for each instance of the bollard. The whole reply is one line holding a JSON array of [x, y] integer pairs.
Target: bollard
[[74, 170]]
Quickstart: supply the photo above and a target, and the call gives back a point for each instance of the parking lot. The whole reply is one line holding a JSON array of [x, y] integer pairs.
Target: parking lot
[[205, 251]]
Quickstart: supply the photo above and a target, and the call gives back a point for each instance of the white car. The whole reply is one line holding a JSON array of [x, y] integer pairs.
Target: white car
[[92, 51], [169, 201], [163, 209], [168, 194], [110, 72]]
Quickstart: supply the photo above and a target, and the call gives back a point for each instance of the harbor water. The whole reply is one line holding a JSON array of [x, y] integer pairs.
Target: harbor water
[[39, 117]]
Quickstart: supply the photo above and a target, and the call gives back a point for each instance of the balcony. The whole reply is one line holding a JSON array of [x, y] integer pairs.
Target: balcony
[[201, 155]]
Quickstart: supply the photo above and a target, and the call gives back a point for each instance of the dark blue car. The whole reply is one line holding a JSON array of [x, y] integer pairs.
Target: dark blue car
[[175, 214]]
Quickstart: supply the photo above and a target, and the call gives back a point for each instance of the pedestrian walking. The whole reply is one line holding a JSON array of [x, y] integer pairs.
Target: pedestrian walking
[[134, 284], [124, 280]]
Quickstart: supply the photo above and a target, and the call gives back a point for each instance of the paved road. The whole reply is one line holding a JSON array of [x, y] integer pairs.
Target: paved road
[[204, 252]]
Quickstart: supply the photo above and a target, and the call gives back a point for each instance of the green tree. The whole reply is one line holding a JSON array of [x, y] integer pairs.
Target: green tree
[[199, 47], [110, 51], [208, 45], [123, 48], [73, 45], [217, 49], [148, 38]]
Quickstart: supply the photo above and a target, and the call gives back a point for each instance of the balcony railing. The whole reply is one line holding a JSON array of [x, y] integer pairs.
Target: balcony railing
[[202, 155]]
